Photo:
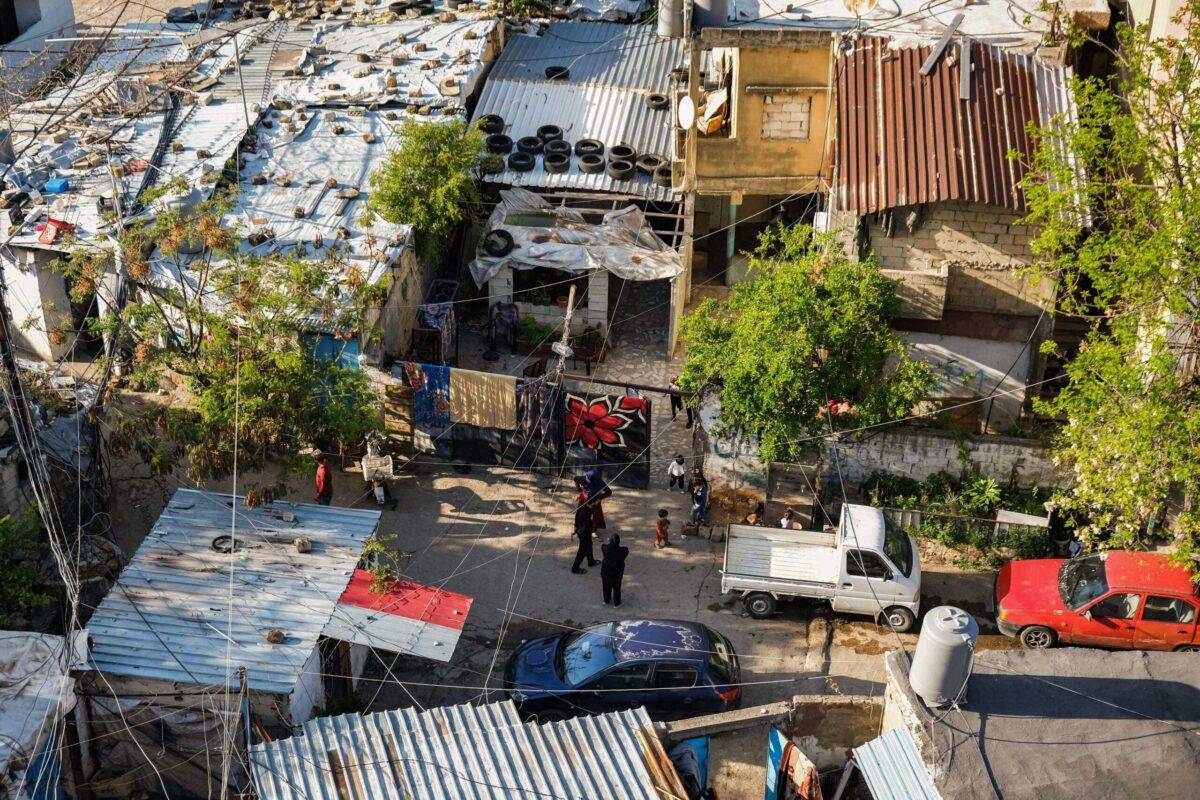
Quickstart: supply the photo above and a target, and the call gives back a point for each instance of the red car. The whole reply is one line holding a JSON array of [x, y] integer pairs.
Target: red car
[[1135, 601]]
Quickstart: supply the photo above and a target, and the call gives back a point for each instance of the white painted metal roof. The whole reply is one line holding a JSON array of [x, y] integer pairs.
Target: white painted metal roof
[[166, 617], [893, 768], [467, 752], [415, 55]]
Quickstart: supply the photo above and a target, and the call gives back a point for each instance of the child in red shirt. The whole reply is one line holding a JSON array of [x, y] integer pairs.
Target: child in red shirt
[[660, 530]]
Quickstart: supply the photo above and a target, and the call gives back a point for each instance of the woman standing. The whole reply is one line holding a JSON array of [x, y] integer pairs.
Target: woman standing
[[612, 569], [595, 491]]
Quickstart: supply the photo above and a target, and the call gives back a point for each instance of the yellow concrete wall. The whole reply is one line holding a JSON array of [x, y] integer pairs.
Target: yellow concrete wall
[[748, 162], [1157, 15]]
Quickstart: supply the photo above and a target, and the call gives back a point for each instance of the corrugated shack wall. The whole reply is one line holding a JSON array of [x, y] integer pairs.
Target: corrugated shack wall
[[466, 752], [905, 139]]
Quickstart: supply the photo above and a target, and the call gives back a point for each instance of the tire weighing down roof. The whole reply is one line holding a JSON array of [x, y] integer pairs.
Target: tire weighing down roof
[[610, 87]]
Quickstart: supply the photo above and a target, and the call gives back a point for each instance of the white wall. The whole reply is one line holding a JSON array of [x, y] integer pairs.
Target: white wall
[[28, 58], [37, 300], [309, 693], [594, 314]]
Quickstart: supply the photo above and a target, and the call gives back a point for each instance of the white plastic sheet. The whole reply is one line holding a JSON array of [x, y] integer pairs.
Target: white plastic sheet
[[623, 243]]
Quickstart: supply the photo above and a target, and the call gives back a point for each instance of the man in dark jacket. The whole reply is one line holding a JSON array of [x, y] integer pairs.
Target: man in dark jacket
[[583, 529], [612, 569]]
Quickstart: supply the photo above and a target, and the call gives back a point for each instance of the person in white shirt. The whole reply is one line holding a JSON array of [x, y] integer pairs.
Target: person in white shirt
[[789, 520], [676, 471]]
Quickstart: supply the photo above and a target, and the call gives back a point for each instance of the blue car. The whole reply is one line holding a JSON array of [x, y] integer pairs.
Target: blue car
[[674, 668]]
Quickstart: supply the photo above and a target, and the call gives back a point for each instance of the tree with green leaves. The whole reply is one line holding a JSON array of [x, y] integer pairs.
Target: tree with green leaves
[[809, 328], [1116, 195], [234, 332], [429, 180]]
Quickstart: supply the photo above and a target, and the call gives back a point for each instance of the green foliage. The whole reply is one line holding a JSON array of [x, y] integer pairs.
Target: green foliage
[[810, 327], [231, 329], [22, 587], [531, 331], [960, 515], [528, 8], [428, 180], [1116, 195], [384, 562]]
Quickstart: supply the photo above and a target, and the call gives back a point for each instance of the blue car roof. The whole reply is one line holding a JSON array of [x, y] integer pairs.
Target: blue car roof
[[663, 639]]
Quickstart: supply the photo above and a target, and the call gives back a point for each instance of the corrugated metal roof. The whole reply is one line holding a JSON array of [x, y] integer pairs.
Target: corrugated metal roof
[[904, 138], [601, 53], [466, 753], [894, 769], [166, 617], [427, 54], [611, 115], [408, 617]]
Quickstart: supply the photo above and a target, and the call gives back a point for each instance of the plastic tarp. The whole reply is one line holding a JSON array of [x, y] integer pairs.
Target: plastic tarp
[[622, 243], [35, 693]]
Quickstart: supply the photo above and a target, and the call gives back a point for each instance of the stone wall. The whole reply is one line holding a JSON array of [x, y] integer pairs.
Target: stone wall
[[918, 453], [983, 249], [594, 314], [786, 116]]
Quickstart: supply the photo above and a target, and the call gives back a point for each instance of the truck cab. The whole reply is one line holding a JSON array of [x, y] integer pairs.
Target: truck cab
[[868, 566], [1126, 600]]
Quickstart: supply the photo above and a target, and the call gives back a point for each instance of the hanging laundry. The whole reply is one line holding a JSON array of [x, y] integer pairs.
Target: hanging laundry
[[431, 393], [483, 399], [611, 431]]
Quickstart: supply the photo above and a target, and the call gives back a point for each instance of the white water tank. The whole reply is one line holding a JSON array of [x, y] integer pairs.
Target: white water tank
[[670, 19], [942, 664]]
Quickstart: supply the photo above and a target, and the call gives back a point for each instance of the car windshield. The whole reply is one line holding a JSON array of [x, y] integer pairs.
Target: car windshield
[[588, 653], [1082, 580], [721, 660], [898, 547]]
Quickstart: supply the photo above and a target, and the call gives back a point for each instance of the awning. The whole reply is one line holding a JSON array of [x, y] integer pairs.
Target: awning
[[410, 618]]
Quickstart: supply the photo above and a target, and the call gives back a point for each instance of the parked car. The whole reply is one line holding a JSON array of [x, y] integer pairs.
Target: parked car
[[674, 668], [1137, 601], [868, 566]]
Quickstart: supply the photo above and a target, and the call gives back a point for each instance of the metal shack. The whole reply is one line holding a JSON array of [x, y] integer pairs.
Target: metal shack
[[228, 614]]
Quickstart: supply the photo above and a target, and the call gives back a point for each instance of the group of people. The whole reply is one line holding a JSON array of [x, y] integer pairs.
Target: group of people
[[589, 521]]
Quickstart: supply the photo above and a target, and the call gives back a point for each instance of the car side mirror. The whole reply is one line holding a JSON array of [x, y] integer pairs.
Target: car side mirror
[[889, 575], [1087, 614]]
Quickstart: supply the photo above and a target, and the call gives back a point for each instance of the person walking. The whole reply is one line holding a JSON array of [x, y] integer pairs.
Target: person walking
[[612, 569], [676, 472], [676, 397], [324, 479], [583, 530], [699, 497]]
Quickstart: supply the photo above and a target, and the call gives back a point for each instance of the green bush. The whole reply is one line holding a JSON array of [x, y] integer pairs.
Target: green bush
[[960, 514]]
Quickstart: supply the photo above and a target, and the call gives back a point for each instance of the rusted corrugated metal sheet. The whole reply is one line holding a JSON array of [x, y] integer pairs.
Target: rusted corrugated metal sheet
[[904, 138]]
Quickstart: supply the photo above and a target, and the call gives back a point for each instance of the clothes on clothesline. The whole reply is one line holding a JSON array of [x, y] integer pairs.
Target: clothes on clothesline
[[484, 399]]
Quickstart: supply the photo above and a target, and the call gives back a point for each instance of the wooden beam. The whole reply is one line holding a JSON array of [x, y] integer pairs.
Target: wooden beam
[[936, 53], [964, 71]]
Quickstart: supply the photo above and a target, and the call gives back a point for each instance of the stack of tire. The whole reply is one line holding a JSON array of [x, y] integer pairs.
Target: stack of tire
[[623, 163]]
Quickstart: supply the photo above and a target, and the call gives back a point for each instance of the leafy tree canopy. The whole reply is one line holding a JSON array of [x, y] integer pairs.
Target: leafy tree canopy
[[428, 180], [235, 329], [1116, 195], [810, 327]]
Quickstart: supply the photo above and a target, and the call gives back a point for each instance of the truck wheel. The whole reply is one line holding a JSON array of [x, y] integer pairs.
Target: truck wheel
[[899, 619], [760, 605], [1036, 637]]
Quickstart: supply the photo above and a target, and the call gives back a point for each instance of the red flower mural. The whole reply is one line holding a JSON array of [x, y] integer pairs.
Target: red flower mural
[[598, 422]]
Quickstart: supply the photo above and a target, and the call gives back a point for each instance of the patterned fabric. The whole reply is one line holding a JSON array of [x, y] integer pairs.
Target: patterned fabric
[[431, 393], [612, 432]]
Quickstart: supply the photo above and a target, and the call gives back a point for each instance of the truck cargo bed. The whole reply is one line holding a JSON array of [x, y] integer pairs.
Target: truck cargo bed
[[775, 554]]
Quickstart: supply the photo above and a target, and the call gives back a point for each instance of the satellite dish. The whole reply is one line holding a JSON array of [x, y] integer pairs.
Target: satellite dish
[[860, 7], [687, 112]]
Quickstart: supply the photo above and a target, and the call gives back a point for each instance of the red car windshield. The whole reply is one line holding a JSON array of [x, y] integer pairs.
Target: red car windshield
[[1081, 580]]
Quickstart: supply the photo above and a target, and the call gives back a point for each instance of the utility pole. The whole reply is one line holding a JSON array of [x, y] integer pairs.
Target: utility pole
[[562, 347]]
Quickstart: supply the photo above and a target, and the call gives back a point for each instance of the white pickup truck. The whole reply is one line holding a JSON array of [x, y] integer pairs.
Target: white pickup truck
[[868, 566]]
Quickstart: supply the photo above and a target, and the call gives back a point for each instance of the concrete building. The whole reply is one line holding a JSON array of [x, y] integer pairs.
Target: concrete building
[[924, 183], [26, 54]]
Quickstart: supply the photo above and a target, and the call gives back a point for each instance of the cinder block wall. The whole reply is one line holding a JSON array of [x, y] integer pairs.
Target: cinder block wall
[[983, 249], [920, 452]]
